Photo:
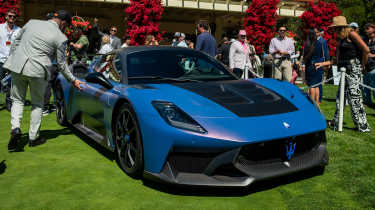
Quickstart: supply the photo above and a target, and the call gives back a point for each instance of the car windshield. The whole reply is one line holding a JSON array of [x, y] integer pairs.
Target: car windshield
[[174, 66]]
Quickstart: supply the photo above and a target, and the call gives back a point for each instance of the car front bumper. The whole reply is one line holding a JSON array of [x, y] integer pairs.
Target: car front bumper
[[242, 166]]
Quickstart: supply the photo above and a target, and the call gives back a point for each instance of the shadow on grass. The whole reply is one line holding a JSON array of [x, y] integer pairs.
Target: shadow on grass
[[234, 191], [48, 134], [329, 99], [3, 166], [22, 142], [52, 134], [103, 151]]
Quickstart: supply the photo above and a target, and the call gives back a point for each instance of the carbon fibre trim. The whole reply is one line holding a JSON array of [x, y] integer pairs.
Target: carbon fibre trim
[[232, 169], [243, 98], [311, 159]]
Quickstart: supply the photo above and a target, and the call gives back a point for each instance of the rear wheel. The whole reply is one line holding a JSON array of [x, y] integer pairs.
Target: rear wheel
[[127, 136], [60, 106]]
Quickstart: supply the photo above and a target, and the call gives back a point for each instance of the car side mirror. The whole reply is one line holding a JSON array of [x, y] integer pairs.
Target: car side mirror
[[98, 78]]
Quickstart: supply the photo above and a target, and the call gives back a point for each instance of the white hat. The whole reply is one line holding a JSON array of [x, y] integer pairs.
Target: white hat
[[177, 34], [354, 25], [183, 35]]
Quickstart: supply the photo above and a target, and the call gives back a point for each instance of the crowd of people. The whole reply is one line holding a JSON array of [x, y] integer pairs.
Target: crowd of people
[[18, 47]]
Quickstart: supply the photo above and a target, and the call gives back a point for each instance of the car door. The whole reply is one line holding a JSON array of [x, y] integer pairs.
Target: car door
[[93, 96]]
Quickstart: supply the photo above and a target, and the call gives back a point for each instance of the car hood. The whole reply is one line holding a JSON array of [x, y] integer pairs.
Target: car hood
[[228, 108]]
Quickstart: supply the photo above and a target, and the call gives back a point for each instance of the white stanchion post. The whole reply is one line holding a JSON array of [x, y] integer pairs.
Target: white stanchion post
[[246, 73], [342, 98]]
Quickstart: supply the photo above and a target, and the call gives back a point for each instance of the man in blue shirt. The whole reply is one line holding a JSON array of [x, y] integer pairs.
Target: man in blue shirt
[[205, 41]]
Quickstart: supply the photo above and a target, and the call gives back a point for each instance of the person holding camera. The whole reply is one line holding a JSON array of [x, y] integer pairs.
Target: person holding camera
[[281, 48], [29, 61], [78, 49], [8, 33]]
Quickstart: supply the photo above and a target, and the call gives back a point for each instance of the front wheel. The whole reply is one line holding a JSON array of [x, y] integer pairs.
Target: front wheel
[[127, 136]]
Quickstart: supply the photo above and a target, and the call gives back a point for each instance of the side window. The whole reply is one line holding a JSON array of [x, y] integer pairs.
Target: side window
[[207, 67], [109, 66], [191, 65]]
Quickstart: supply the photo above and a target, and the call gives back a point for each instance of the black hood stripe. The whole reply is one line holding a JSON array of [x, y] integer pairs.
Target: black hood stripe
[[243, 98]]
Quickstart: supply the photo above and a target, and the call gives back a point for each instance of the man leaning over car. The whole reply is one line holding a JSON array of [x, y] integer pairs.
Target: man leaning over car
[[29, 60]]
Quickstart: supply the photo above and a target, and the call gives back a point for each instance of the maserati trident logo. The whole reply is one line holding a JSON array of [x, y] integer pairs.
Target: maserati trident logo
[[286, 125], [290, 148]]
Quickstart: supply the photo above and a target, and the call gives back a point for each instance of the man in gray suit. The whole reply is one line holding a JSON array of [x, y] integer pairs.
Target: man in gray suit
[[29, 60], [115, 41]]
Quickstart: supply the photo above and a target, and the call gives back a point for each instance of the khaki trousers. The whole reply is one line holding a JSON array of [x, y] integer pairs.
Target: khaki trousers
[[282, 70], [20, 84]]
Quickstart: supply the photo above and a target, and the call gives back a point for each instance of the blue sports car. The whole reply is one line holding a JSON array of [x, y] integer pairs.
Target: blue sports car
[[179, 116]]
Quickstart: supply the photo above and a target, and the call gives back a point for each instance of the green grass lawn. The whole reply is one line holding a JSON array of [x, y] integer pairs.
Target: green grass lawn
[[72, 172]]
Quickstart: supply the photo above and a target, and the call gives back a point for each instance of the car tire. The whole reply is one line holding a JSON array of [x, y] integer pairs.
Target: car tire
[[60, 106], [128, 140]]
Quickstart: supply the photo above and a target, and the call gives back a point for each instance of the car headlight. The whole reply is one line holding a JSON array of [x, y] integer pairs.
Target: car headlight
[[175, 117]]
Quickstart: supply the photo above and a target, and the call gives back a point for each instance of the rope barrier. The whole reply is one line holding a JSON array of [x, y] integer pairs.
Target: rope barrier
[[320, 83], [366, 86]]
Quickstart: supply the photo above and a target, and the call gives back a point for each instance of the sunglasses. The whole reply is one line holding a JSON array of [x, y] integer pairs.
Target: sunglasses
[[12, 16], [282, 30], [113, 30]]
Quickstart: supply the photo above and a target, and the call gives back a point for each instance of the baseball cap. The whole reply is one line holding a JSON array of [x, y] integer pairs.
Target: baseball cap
[[49, 15], [63, 15], [242, 33], [177, 34], [353, 25], [182, 34]]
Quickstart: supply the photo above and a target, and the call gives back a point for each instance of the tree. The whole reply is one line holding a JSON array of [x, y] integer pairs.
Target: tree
[[143, 18], [259, 23], [320, 15], [360, 11]]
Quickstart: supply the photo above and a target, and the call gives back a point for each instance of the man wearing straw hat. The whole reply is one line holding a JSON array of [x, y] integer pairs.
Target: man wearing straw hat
[[352, 53], [29, 60]]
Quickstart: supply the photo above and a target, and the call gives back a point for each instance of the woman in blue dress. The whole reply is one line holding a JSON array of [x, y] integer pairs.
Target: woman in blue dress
[[315, 51]]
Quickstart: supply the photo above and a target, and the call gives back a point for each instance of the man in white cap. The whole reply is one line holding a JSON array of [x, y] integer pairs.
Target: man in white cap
[[181, 41], [239, 54], [175, 39]]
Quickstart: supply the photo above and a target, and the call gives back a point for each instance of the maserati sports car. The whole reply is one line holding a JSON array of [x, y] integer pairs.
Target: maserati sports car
[[179, 116]]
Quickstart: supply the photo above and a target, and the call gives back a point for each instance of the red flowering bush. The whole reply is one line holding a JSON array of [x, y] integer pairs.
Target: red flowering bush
[[143, 18], [260, 22], [291, 34], [319, 15], [77, 22], [6, 5]]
